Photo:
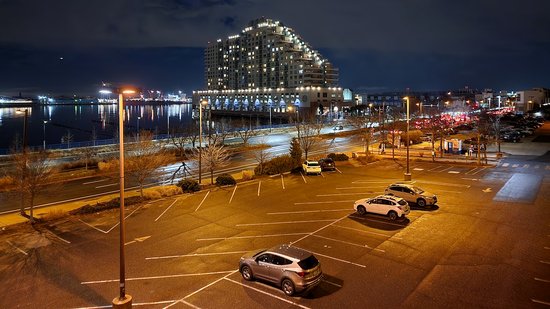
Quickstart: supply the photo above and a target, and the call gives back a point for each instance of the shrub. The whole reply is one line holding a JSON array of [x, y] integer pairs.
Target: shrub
[[367, 159], [158, 192], [114, 203], [338, 156], [415, 136], [248, 175], [225, 180], [54, 215], [277, 165], [108, 166], [189, 185], [6, 181]]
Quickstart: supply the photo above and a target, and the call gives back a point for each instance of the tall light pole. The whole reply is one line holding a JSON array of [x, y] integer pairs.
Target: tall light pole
[[204, 102], [123, 300], [44, 134], [138, 118], [407, 175], [270, 124], [26, 113]]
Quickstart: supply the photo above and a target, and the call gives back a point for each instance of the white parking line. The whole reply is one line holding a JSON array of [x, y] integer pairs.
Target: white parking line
[[327, 202], [109, 230], [266, 293], [62, 239], [302, 174], [138, 304], [245, 237], [259, 185], [109, 185], [232, 194], [160, 277], [306, 211], [347, 242], [202, 201], [453, 172], [505, 164], [435, 168], [337, 194], [338, 170], [543, 280], [540, 302], [193, 255], [379, 221], [340, 260], [283, 222], [545, 262], [370, 181], [166, 209], [335, 284], [283, 181], [95, 181], [16, 248], [442, 183], [368, 232]]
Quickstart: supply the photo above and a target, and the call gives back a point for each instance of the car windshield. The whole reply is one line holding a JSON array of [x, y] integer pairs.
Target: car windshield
[[313, 164], [402, 202], [418, 190], [309, 263], [255, 255]]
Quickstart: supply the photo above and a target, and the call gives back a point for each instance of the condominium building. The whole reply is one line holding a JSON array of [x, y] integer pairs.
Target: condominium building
[[267, 66]]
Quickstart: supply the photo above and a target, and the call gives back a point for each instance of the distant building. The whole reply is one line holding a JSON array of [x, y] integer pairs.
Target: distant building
[[267, 67], [527, 100]]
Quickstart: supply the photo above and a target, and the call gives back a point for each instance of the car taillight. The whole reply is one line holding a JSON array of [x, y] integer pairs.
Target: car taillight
[[301, 273]]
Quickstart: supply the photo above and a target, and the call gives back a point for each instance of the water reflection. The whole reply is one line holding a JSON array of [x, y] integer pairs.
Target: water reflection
[[83, 121]]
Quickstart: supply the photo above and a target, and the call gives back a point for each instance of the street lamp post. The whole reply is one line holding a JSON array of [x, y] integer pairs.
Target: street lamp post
[[123, 300], [138, 118], [44, 134], [26, 113], [270, 124], [204, 102], [407, 175]]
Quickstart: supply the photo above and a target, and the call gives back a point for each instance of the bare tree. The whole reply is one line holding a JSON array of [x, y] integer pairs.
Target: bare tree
[[433, 124], [262, 154], [67, 138], [364, 123], [221, 131], [394, 125], [245, 131], [88, 153], [213, 157], [31, 173], [308, 135], [145, 158]]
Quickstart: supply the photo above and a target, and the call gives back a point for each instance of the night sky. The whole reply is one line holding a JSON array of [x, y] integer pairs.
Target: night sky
[[71, 46]]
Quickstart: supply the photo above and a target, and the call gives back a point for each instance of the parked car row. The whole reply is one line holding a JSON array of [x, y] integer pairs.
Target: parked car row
[[394, 203], [316, 167]]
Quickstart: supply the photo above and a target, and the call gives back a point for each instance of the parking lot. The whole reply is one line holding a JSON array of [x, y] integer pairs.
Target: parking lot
[[468, 250]]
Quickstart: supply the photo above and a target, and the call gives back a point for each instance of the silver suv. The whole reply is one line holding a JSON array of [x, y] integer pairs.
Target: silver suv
[[411, 194], [291, 268]]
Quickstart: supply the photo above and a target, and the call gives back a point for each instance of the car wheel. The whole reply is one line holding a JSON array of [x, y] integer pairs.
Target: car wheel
[[361, 210], [288, 287], [392, 215], [247, 273], [421, 202]]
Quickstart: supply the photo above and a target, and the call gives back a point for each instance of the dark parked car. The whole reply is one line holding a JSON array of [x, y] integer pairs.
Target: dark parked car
[[291, 268], [327, 164]]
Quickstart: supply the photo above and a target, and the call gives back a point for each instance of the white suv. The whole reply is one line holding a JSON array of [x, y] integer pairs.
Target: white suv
[[311, 167], [411, 194], [391, 206]]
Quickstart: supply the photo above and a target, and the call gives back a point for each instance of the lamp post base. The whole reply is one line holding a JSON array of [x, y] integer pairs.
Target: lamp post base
[[407, 176], [124, 303]]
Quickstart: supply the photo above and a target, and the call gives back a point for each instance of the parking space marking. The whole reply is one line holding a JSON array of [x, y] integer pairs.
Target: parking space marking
[[259, 185], [327, 202], [339, 260], [505, 164], [282, 181], [453, 172], [543, 280], [351, 188], [232, 194], [109, 185], [193, 255], [335, 284], [16, 248], [418, 169], [58, 237], [347, 242], [266, 293], [95, 181], [318, 230], [137, 304], [526, 166], [302, 174], [306, 211], [166, 209], [245, 237], [515, 165], [449, 191], [367, 232], [202, 200], [109, 230], [370, 181], [283, 222], [338, 194], [204, 287], [545, 262], [435, 168], [540, 302], [160, 277], [338, 170], [384, 222], [442, 183]]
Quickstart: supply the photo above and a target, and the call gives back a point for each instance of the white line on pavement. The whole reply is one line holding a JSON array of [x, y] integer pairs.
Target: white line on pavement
[[453, 172], [259, 185], [338, 170], [232, 194], [337, 259], [266, 293], [109, 185], [384, 222], [505, 164], [335, 284], [336, 194], [62, 239], [347, 243], [245, 237], [543, 280], [202, 200], [166, 209], [545, 262], [327, 202], [302, 174], [351, 188], [284, 222], [16, 248], [540, 302], [306, 211], [193, 255], [282, 181], [136, 304], [160, 277], [368, 232], [96, 228], [95, 181]]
